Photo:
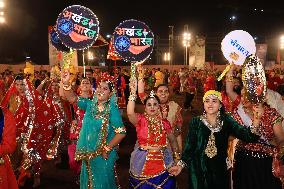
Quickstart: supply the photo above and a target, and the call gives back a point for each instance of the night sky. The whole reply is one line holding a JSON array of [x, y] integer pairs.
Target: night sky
[[25, 33]]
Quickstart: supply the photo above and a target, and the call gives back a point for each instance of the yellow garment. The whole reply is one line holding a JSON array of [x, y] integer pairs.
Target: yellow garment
[[159, 78], [29, 70]]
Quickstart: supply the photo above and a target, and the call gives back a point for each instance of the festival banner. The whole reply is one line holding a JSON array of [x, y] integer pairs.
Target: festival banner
[[199, 52], [191, 60], [261, 51], [77, 27], [133, 41]]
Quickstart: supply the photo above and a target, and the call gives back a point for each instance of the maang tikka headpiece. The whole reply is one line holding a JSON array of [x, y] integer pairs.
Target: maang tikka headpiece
[[153, 95]]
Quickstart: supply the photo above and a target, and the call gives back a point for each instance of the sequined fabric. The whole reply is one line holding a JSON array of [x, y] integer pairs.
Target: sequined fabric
[[152, 137], [96, 131], [268, 120], [147, 165]]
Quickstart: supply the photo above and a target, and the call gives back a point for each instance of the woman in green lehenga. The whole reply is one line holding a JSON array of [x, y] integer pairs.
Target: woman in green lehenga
[[206, 144], [101, 132]]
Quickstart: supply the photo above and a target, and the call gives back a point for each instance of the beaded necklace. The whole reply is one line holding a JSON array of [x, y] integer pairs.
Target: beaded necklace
[[211, 149]]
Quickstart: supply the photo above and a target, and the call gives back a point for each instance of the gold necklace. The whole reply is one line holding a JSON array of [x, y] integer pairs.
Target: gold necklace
[[155, 126], [211, 149], [100, 108]]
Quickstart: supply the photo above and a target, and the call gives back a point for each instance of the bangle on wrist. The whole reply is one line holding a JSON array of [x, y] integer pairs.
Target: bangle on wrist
[[132, 97], [181, 163]]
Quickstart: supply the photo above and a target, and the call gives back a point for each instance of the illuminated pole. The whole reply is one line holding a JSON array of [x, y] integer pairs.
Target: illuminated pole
[[171, 43], [2, 16], [185, 55], [186, 43], [167, 57], [281, 47]]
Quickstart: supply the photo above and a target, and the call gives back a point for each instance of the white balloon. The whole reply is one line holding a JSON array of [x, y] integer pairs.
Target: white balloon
[[237, 45]]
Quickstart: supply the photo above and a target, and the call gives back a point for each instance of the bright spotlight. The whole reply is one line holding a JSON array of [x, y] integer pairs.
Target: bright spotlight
[[2, 19], [2, 4]]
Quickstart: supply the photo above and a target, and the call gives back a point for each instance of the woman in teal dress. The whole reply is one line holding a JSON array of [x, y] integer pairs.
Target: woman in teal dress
[[101, 132], [206, 146]]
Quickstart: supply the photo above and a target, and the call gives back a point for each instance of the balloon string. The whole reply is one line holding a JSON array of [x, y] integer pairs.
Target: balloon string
[[224, 72]]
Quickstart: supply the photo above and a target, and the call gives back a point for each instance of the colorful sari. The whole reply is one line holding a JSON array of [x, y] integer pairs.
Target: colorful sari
[[97, 130]]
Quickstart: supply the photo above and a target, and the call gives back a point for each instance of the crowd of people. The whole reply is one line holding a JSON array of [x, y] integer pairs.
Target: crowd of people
[[76, 118]]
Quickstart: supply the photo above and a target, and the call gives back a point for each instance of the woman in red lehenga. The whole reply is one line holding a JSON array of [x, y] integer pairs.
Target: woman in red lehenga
[[61, 111], [85, 91], [7, 146], [170, 109], [151, 158], [33, 132]]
